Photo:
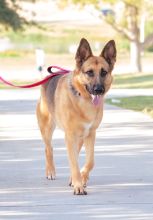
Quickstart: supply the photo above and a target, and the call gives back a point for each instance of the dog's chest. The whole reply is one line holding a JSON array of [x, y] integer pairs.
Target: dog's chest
[[87, 127], [93, 123]]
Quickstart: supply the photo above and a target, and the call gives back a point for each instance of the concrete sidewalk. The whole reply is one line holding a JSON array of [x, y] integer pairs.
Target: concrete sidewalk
[[120, 186]]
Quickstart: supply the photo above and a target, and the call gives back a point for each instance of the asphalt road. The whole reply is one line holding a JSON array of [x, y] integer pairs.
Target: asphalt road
[[120, 186]]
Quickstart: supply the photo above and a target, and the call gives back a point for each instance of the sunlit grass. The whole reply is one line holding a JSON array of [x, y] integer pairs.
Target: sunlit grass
[[140, 80], [136, 103], [56, 38], [16, 83]]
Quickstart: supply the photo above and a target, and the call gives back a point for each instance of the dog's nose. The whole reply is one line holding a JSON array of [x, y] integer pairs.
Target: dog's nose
[[99, 89]]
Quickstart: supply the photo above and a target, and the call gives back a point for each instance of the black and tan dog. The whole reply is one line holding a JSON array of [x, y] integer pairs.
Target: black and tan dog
[[74, 102]]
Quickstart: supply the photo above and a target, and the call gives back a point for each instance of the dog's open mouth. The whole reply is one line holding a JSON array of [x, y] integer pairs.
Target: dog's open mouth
[[96, 99]]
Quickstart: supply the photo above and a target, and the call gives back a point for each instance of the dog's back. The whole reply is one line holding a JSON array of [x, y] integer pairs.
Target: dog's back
[[48, 92]]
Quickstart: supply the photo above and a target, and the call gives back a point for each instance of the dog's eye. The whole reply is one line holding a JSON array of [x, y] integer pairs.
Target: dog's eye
[[90, 73], [103, 72]]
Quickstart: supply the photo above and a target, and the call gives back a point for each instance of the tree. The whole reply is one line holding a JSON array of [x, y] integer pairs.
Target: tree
[[131, 16], [10, 14], [131, 25]]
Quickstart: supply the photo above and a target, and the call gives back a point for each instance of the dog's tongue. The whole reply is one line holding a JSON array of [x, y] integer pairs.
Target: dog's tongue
[[96, 99]]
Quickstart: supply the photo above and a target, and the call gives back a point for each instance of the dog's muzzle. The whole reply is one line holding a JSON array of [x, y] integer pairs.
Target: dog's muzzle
[[96, 93], [98, 89]]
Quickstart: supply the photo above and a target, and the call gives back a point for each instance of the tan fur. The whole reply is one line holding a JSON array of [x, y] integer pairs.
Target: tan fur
[[75, 113]]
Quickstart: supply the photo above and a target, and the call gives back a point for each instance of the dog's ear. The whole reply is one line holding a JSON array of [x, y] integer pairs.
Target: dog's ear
[[109, 53], [83, 52]]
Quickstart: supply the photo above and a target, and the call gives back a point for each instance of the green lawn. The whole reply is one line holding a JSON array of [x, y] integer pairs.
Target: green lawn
[[17, 83], [137, 103], [133, 81]]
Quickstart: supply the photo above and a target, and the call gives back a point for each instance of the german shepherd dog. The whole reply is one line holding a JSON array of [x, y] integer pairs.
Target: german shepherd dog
[[74, 102]]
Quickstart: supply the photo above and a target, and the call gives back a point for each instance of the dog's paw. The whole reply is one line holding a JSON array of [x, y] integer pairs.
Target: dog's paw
[[50, 174], [85, 177], [79, 190], [71, 182], [50, 177]]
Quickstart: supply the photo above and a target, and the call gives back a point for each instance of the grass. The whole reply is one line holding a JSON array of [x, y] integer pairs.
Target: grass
[[136, 103], [55, 38], [10, 53], [17, 83], [133, 81]]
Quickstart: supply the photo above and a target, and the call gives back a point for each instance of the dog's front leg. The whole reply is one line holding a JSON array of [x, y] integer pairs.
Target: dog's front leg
[[89, 142], [72, 142]]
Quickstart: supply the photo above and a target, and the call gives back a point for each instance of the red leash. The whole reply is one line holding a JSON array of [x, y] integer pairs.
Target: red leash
[[49, 69]]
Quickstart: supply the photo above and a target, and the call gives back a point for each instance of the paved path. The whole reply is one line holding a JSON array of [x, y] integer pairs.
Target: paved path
[[121, 184]]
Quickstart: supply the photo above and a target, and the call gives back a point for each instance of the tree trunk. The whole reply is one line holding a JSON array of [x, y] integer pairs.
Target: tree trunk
[[135, 44], [135, 56]]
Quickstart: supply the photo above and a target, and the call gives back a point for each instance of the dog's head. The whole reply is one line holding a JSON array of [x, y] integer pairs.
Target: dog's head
[[94, 72]]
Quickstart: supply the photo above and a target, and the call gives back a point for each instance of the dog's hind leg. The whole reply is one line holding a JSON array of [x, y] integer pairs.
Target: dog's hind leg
[[47, 126]]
